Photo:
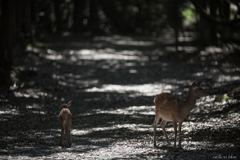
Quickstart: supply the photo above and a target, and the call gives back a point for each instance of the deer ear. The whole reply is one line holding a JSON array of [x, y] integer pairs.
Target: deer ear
[[69, 104]]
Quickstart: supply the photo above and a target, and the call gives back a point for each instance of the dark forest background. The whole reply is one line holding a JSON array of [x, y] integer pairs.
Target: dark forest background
[[26, 22]]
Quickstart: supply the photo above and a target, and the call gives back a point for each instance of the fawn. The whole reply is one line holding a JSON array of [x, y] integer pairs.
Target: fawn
[[173, 109], [65, 118]]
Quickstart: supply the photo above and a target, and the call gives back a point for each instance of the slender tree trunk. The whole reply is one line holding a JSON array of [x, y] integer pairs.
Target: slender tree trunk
[[226, 31], [176, 24], [213, 12], [174, 19], [93, 18], [58, 9], [116, 17], [6, 34], [203, 26], [21, 33], [78, 15]]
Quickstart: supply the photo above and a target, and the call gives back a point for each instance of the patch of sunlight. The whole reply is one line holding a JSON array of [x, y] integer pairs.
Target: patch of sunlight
[[3, 100], [133, 71], [170, 49], [220, 145], [9, 138], [32, 93], [10, 111], [74, 59], [202, 102], [212, 49], [2, 112], [138, 127], [145, 89], [140, 110], [116, 150], [133, 43], [110, 54], [150, 112], [142, 127], [39, 112], [51, 54], [143, 110], [91, 130], [80, 132], [224, 78], [86, 52], [99, 140], [54, 57], [34, 49], [176, 81], [128, 41], [47, 136], [129, 111], [19, 94], [209, 124], [33, 108], [234, 115], [198, 74], [193, 145], [185, 39]]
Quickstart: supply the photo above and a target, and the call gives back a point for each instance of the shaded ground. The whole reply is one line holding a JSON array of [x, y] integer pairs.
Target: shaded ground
[[112, 82]]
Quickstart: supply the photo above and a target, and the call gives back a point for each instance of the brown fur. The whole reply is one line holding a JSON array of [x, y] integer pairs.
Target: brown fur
[[65, 119], [170, 108]]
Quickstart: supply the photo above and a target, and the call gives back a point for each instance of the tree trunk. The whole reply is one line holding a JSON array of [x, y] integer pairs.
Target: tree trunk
[[203, 26], [93, 18], [78, 15], [213, 13], [21, 33], [174, 19], [176, 24], [113, 14], [6, 33], [226, 31]]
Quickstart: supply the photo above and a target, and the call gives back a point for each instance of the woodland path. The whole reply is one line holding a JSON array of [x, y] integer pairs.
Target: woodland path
[[112, 82]]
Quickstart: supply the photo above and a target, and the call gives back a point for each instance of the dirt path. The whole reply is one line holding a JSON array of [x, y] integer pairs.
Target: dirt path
[[112, 82]]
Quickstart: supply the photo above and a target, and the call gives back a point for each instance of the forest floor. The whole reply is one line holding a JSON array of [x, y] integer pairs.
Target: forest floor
[[112, 82]]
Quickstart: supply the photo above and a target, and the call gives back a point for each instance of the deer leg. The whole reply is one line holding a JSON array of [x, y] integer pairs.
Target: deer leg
[[155, 126], [163, 125], [61, 138], [175, 131], [69, 136], [179, 131]]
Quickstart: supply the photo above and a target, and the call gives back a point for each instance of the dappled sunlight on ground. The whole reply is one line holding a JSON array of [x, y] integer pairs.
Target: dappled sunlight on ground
[[125, 40], [108, 54], [112, 82], [144, 89]]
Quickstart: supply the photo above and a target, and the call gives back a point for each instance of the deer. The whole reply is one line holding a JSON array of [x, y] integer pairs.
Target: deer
[[173, 109], [65, 119]]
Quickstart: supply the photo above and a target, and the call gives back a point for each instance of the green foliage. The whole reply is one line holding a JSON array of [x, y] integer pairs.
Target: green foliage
[[189, 16], [134, 9], [233, 94], [221, 98], [234, 115]]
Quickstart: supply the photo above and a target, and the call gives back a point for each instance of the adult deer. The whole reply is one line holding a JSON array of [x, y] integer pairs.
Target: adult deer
[[173, 109], [65, 118]]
